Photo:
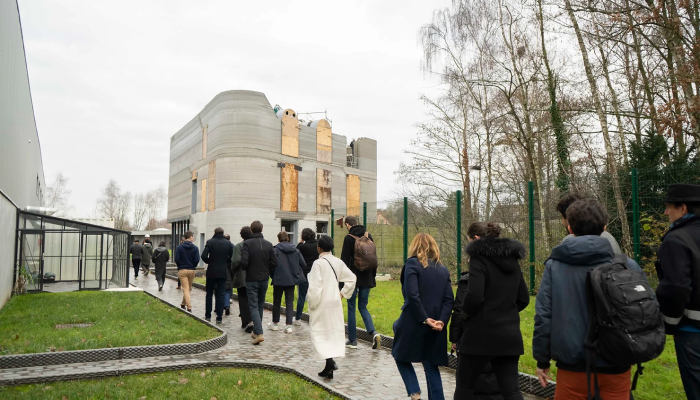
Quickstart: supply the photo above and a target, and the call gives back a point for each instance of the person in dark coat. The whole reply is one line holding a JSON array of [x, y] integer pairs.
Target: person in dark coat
[[161, 256], [365, 282], [308, 248], [217, 254], [146, 256], [229, 283], [288, 273], [496, 293], [420, 333], [257, 260], [136, 251], [187, 258], [678, 269], [238, 281], [487, 385]]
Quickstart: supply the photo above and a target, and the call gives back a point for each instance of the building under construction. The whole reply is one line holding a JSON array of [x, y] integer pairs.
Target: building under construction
[[241, 160]]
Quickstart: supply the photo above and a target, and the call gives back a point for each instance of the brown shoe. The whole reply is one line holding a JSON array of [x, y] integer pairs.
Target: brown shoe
[[179, 287], [258, 339]]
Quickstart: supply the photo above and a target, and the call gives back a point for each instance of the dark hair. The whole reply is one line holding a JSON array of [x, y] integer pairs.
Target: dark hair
[[484, 230], [352, 221], [308, 234], [188, 235], [162, 243], [246, 233], [283, 237], [566, 201], [326, 243], [227, 236], [219, 231], [136, 241], [256, 227], [693, 208], [587, 217], [147, 240]]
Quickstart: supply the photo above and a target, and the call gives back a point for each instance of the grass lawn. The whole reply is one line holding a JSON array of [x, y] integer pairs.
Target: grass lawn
[[27, 322], [661, 379], [215, 383]]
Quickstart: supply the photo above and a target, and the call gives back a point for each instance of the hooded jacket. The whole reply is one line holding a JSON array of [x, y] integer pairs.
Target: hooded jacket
[[257, 258], [309, 250], [147, 254], [187, 256], [364, 278], [678, 269], [160, 257], [237, 273], [217, 254], [496, 293], [561, 319], [290, 266]]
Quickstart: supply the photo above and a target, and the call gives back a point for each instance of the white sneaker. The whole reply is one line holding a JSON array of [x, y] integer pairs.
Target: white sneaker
[[288, 329], [297, 322], [273, 327]]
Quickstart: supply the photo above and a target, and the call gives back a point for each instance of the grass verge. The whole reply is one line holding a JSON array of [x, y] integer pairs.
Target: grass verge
[[661, 380], [214, 383], [27, 322]]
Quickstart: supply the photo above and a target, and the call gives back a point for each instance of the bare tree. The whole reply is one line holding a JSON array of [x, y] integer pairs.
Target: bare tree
[[57, 194], [115, 204]]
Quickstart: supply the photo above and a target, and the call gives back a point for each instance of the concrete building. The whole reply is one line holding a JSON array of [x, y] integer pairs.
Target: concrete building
[[240, 160]]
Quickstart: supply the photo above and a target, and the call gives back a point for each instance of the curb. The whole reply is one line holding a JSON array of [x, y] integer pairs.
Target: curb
[[528, 383], [175, 367], [116, 353]]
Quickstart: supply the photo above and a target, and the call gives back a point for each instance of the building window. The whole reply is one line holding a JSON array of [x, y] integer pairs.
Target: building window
[[321, 228], [290, 226]]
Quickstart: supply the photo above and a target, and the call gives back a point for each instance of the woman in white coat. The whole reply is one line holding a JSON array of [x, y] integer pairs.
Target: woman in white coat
[[326, 317]]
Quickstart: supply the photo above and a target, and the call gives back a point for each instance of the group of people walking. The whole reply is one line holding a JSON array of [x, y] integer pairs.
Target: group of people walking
[[485, 329]]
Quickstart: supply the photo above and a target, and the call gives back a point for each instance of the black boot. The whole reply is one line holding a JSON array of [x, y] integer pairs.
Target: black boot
[[227, 310], [328, 371]]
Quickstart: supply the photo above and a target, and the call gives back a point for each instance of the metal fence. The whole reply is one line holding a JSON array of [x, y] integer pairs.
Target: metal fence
[[539, 228]]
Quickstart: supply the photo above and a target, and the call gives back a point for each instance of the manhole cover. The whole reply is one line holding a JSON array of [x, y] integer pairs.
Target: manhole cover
[[66, 326]]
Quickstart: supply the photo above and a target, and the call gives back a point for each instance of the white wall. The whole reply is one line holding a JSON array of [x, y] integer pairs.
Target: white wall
[[8, 223]]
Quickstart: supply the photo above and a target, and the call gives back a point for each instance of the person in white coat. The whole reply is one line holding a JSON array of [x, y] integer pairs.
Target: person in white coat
[[326, 317]]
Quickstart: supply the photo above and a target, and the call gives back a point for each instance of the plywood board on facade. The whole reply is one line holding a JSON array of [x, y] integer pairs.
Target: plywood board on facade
[[353, 195], [290, 133], [211, 189], [323, 191], [289, 198], [324, 142], [204, 196]]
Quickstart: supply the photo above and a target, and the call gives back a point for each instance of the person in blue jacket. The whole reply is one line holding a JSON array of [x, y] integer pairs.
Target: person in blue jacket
[[420, 333]]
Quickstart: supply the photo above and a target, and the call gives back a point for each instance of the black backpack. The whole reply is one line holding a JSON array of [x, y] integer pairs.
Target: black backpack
[[626, 325]]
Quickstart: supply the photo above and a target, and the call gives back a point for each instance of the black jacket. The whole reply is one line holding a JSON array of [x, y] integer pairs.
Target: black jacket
[[496, 293], [290, 266], [678, 269], [257, 258], [364, 278], [217, 253], [309, 250], [136, 250], [186, 256], [161, 256]]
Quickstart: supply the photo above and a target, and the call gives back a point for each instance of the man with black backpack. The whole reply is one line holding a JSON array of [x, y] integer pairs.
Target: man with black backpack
[[678, 268], [566, 308], [362, 263]]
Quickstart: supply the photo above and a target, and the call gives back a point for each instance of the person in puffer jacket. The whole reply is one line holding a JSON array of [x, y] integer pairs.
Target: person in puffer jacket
[[288, 273], [146, 257]]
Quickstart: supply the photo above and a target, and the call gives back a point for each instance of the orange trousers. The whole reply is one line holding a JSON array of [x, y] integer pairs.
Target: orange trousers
[[572, 386]]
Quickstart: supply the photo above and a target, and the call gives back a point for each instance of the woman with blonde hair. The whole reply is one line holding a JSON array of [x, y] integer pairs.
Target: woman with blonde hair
[[419, 333]]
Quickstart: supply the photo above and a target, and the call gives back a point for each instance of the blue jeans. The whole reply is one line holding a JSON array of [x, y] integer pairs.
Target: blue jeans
[[432, 376], [256, 291], [366, 316], [227, 298], [217, 286], [688, 353], [303, 290]]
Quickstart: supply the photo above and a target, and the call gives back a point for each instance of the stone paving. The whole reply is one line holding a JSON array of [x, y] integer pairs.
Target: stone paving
[[363, 374]]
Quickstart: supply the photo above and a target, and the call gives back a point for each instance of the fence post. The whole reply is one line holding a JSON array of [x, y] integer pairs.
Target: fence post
[[364, 213], [635, 215], [405, 229], [531, 220], [333, 227], [459, 233]]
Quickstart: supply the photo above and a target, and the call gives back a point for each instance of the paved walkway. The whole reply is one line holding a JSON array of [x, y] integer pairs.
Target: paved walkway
[[363, 374]]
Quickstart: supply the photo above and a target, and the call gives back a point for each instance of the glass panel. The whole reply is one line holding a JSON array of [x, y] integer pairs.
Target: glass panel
[[52, 224], [70, 259], [52, 257], [31, 260], [92, 262], [32, 222]]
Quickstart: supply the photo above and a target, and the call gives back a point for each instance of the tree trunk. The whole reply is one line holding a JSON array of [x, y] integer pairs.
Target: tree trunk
[[621, 210]]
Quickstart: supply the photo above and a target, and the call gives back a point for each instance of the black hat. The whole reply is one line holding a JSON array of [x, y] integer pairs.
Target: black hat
[[683, 193]]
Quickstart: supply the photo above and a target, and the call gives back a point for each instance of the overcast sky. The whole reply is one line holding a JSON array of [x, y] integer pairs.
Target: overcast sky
[[113, 81]]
